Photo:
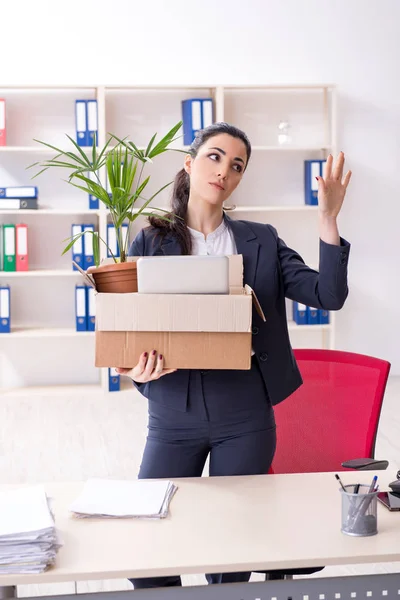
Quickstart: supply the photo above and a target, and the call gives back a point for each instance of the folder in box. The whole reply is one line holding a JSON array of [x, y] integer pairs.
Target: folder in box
[[9, 248], [21, 251], [5, 311], [80, 308]]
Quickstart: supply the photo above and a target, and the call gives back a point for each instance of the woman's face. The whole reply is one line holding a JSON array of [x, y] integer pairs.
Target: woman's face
[[217, 169]]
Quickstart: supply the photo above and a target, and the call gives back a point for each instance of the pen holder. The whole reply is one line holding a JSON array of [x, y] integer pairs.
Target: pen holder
[[359, 511]]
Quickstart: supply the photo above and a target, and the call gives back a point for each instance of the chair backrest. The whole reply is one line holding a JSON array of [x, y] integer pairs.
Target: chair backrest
[[334, 415]]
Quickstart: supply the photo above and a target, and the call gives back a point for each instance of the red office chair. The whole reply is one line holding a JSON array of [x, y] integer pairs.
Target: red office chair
[[331, 418], [334, 415]]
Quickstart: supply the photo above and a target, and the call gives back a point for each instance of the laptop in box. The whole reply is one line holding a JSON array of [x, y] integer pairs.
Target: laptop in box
[[183, 274]]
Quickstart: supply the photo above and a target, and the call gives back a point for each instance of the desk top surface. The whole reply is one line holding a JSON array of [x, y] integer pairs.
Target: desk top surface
[[220, 524]]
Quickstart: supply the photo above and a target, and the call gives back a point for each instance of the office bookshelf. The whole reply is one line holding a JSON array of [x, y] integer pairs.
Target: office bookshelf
[[43, 348]]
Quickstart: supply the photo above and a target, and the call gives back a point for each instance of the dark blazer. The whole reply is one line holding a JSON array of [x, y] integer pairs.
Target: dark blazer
[[274, 271]]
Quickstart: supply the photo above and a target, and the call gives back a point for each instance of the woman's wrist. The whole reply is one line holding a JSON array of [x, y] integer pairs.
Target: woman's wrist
[[328, 229]]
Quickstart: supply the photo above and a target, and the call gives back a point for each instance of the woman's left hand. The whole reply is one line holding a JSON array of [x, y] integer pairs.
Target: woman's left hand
[[332, 187]]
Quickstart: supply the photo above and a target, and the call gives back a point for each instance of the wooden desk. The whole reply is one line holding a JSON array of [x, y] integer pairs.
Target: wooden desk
[[220, 524]]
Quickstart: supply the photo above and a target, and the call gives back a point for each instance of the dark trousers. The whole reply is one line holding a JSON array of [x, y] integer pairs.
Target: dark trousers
[[230, 418]]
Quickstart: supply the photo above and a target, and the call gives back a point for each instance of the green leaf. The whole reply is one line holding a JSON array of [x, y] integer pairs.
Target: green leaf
[[99, 192], [85, 158], [149, 145], [166, 140], [130, 146], [103, 150], [161, 190], [61, 164], [94, 149], [179, 150], [151, 214], [60, 152], [50, 146], [72, 242], [40, 172], [96, 249], [141, 187]]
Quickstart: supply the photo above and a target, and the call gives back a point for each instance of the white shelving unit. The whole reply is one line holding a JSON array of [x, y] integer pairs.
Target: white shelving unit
[[43, 319]]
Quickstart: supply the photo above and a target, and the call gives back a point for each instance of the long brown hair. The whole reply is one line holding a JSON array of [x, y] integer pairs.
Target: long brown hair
[[180, 193]]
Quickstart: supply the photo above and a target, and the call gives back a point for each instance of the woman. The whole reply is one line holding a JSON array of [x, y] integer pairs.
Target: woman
[[229, 414]]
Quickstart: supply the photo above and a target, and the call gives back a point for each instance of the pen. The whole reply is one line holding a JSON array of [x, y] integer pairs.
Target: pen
[[340, 481], [373, 483], [362, 509]]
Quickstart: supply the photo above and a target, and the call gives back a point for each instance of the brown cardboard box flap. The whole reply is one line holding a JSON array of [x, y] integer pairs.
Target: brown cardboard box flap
[[256, 302]]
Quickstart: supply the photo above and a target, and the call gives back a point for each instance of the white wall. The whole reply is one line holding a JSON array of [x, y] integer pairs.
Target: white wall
[[352, 43]]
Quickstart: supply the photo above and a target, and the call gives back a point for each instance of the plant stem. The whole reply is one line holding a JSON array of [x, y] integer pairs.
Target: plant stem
[[132, 209]]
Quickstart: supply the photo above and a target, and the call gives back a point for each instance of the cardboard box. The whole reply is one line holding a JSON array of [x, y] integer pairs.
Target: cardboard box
[[190, 331]]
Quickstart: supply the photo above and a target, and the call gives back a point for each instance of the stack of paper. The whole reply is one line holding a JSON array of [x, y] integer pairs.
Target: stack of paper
[[28, 537], [141, 498]]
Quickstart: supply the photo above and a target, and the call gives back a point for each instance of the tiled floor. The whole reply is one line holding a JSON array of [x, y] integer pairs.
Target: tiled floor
[[67, 434]]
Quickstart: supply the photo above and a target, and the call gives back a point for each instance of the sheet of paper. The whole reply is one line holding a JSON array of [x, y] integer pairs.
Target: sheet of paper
[[120, 498]]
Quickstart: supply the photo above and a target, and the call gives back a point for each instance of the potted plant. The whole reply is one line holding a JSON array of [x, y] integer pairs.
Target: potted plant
[[124, 164]]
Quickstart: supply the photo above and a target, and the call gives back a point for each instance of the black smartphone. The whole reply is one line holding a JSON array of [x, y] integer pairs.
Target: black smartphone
[[390, 500]]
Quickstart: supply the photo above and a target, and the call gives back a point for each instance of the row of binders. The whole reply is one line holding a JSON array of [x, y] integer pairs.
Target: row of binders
[[86, 122], [197, 113], [14, 247], [82, 250], [307, 315], [85, 308]]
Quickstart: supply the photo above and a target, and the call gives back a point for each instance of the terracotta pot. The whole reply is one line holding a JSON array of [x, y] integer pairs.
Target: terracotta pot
[[116, 278]]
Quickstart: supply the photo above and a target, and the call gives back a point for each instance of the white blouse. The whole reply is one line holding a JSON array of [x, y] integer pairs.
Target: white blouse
[[219, 242]]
